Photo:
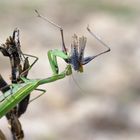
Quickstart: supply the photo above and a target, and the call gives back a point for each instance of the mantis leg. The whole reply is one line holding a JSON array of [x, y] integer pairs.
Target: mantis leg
[[52, 54], [26, 71], [36, 59], [42, 90], [66, 72], [22, 106], [17, 44]]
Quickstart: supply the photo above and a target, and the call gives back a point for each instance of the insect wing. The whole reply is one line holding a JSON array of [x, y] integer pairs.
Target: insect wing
[[82, 44], [74, 59]]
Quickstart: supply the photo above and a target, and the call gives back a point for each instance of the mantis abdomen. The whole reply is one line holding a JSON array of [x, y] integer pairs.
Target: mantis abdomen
[[20, 92]]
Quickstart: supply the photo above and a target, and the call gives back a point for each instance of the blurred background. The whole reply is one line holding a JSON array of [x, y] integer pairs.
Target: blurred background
[[103, 103]]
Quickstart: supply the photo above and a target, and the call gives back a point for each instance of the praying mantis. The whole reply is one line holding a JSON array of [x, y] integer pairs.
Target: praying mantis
[[74, 60]]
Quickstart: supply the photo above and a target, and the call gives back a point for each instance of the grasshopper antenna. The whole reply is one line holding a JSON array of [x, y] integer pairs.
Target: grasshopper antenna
[[99, 39], [64, 49]]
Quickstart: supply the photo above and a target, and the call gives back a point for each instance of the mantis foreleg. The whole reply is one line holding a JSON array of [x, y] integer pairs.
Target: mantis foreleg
[[52, 54], [42, 90]]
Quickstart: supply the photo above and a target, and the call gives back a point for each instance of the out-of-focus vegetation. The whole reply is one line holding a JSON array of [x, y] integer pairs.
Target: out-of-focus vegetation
[[107, 107]]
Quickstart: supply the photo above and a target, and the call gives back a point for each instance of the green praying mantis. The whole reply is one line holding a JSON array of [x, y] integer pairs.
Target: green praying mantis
[[74, 60]]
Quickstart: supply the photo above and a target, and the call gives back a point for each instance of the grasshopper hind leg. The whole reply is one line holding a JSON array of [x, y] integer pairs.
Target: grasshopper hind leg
[[64, 49], [88, 59]]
